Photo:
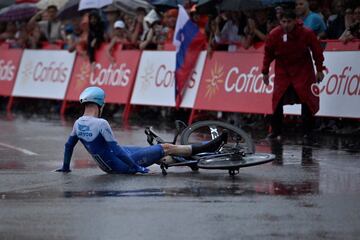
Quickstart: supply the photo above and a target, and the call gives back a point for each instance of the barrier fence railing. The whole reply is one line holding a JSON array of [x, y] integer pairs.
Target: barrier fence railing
[[222, 81]]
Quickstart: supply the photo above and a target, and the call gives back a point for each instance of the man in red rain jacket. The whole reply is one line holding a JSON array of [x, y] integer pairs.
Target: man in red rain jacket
[[289, 45]]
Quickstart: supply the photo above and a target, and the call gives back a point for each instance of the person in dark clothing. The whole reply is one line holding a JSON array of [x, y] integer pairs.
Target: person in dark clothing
[[96, 34], [336, 22]]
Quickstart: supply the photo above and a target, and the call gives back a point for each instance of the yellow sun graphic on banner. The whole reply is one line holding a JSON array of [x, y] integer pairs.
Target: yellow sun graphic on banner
[[83, 76], [214, 81]]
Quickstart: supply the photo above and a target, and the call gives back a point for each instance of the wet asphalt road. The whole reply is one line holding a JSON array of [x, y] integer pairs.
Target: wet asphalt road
[[309, 192]]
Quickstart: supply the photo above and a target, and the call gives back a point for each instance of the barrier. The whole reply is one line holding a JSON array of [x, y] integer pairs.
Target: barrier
[[117, 78], [155, 82], [335, 45], [340, 90], [9, 65], [221, 81], [233, 82], [44, 74]]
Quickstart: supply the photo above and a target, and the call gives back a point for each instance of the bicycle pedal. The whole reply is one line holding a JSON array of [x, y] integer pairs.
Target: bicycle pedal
[[163, 168], [150, 140]]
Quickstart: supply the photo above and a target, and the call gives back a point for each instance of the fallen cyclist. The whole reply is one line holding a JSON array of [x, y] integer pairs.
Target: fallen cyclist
[[97, 137]]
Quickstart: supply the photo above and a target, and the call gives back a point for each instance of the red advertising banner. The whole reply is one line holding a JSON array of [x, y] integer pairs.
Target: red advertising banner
[[233, 82], [9, 65], [115, 78]]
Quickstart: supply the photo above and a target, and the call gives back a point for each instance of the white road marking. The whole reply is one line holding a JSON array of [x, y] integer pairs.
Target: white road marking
[[23, 150]]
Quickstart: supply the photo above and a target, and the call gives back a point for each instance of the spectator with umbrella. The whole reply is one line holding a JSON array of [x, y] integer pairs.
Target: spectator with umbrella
[[96, 34], [232, 32], [49, 27], [18, 12], [152, 20]]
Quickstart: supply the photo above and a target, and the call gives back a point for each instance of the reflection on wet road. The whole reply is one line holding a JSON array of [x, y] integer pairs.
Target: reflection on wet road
[[323, 175]]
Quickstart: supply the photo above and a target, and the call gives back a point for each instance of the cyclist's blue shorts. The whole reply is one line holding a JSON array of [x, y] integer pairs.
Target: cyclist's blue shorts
[[145, 156]]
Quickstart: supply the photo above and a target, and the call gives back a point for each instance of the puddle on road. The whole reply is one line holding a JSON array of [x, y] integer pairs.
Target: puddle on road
[[206, 191], [328, 165]]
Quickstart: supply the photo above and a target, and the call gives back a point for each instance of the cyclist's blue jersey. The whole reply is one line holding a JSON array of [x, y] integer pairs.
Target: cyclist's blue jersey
[[97, 137]]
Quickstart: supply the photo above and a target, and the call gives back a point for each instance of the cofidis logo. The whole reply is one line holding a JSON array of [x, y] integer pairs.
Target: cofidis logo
[[237, 80], [345, 83]]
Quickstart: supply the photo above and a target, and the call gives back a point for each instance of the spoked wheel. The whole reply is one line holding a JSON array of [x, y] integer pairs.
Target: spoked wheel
[[206, 130], [233, 162]]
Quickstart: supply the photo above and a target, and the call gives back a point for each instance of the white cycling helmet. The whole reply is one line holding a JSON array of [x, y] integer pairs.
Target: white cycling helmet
[[94, 95]]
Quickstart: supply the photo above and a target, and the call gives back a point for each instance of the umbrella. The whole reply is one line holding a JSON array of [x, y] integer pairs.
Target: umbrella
[[164, 5], [26, 1], [87, 4], [5, 3], [207, 6], [271, 3], [130, 6], [236, 5], [69, 9], [18, 12], [43, 4]]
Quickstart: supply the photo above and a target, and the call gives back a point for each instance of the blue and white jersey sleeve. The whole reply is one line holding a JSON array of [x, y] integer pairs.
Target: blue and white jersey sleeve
[[69, 147]]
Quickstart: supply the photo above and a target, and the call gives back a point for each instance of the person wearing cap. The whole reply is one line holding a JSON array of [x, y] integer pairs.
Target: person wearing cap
[[112, 14], [98, 139], [120, 36]]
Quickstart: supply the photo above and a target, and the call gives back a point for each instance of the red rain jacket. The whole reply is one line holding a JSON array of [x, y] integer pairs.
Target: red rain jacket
[[294, 64]]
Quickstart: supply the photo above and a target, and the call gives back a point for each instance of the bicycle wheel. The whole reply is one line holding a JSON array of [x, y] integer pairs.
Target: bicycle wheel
[[206, 130], [235, 161]]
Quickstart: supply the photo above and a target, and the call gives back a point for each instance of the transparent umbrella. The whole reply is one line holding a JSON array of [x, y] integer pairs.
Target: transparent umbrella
[[130, 6], [163, 5], [5, 3], [88, 4], [43, 4]]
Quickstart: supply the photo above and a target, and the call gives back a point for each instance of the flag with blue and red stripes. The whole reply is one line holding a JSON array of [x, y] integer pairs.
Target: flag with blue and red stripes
[[189, 42]]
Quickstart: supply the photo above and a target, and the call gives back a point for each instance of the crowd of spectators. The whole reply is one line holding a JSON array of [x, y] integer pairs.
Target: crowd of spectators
[[154, 30]]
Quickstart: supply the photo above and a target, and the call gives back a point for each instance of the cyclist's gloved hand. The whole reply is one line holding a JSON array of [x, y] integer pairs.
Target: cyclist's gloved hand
[[141, 169], [64, 170]]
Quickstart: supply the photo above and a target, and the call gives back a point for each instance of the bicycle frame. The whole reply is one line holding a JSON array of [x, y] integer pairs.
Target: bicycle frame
[[232, 159]]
